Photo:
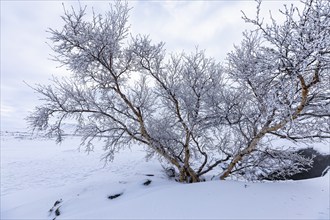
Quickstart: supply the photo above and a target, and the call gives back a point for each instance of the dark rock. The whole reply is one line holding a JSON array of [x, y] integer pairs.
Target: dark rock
[[115, 196], [146, 183], [57, 202], [57, 211]]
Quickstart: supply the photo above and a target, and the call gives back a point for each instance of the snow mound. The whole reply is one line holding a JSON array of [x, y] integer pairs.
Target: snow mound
[[37, 176]]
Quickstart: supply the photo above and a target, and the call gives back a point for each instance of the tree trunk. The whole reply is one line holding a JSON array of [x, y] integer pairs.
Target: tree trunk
[[239, 156], [188, 175]]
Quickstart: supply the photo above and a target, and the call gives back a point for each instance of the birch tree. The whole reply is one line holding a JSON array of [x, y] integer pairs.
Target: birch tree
[[186, 109]]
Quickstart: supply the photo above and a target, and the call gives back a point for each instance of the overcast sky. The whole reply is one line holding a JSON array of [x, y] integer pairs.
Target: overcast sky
[[212, 25]]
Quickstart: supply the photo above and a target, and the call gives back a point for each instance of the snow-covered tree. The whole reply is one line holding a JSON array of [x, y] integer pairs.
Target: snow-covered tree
[[187, 109], [281, 81]]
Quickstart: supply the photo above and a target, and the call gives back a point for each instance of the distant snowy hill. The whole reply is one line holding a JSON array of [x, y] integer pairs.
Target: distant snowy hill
[[38, 176]]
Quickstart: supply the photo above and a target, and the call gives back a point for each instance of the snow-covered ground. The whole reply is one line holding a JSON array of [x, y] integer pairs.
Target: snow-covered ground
[[35, 173]]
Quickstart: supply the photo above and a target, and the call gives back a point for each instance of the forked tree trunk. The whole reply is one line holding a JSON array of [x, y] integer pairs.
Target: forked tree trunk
[[266, 129], [187, 175]]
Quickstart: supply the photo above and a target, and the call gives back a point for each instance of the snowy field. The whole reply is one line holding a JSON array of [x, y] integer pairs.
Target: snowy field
[[35, 173]]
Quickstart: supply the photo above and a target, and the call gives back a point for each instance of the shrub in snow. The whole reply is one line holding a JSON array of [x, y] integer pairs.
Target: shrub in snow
[[187, 109], [56, 204], [56, 208], [170, 172], [319, 167]]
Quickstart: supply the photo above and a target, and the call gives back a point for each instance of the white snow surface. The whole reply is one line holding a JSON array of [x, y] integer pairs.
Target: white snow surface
[[36, 172]]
